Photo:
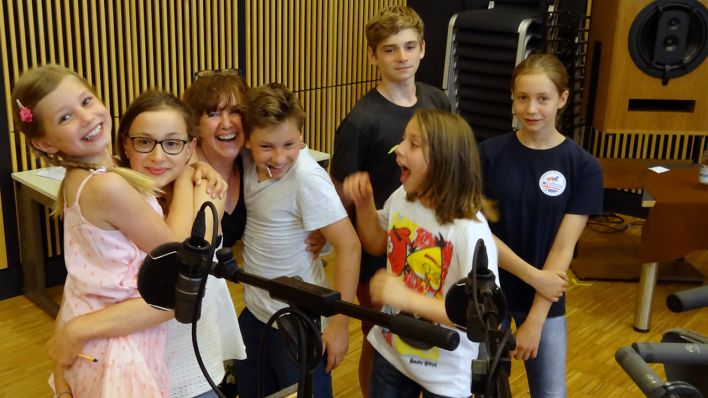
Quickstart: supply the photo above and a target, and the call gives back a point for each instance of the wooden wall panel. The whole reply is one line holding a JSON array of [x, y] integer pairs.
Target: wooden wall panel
[[121, 47], [318, 49], [315, 47]]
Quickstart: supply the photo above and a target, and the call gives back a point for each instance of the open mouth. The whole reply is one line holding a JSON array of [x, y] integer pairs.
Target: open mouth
[[405, 173], [226, 137], [93, 133]]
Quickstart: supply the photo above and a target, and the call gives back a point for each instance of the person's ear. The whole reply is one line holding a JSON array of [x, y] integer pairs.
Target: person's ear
[[422, 49], [371, 54], [563, 99], [42, 144]]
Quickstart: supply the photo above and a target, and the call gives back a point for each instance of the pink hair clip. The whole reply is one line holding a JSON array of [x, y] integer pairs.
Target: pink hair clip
[[25, 112]]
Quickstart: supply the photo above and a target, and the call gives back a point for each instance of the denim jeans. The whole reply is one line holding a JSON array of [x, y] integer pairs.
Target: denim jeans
[[388, 382], [546, 373], [208, 394], [279, 371]]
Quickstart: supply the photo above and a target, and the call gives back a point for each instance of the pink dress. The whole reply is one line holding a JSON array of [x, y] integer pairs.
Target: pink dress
[[102, 270]]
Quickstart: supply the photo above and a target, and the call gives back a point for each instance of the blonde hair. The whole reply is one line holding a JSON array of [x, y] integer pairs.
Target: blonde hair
[[389, 21], [547, 64], [454, 180], [270, 105], [29, 90]]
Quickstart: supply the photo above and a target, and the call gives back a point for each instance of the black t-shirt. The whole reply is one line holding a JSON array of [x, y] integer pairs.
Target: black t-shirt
[[233, 224], [362, 142], [533, 190]]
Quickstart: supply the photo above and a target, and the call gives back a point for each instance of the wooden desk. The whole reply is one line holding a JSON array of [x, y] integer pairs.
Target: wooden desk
[[629, 173], [677, 224], [33, 192]]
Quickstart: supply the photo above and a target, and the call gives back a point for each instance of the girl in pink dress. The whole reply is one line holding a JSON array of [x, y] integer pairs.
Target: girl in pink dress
[[111, 219]]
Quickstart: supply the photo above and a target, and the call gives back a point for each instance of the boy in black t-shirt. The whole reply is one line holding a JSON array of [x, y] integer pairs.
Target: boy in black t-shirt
[[376, 124]]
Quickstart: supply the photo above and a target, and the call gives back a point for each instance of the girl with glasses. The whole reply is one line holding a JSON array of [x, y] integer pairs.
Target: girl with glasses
[[157, 133]]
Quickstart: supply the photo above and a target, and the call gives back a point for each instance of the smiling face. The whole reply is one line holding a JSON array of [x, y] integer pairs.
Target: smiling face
[[221, 132], [159, 125], [536, 102], [75, 122], [274, 148], [412, 157], [398, 56]]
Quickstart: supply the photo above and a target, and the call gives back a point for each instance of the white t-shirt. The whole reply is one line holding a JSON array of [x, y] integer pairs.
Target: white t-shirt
[[219, 339], [430, 258], [281, 213]]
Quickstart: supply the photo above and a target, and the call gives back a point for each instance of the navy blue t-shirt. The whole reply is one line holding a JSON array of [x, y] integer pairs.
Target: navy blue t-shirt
[[533, 190]]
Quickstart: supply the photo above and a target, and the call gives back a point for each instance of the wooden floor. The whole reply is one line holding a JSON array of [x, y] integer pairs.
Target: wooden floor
[[599, 322]]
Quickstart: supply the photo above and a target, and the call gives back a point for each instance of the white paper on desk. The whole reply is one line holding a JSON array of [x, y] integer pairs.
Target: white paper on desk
[[659, 169], [55, 173]]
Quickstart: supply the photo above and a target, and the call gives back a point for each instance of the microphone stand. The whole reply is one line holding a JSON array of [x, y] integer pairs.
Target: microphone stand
[[489, 378], [307, 301], [315, 301]]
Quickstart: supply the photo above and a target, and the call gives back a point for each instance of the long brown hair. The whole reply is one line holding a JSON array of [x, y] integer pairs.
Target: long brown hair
[[29, 90], [454, 181]]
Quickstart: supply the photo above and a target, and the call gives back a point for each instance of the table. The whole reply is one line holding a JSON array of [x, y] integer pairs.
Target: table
[[677, 224], [33, 192]]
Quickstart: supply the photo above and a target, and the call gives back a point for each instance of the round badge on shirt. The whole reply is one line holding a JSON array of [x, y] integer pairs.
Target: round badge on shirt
[[552, 183]]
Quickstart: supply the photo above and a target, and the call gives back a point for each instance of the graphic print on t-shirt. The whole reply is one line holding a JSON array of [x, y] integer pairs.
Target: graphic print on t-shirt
[[421, 259], [552, 183]]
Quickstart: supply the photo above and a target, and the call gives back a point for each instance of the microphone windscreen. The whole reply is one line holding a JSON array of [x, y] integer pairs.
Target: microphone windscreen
[[158, 276], [456, 301]]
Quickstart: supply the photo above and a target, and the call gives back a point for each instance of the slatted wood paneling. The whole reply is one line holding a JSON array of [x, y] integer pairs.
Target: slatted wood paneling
[[315, 47], [318, 49], [648, 145], [121, 47]]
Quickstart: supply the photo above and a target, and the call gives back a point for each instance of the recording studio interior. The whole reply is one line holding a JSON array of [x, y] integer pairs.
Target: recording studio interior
[[635, 299]]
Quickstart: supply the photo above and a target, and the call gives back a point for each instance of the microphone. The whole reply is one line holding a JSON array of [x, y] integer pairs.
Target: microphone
[[480, 282], [194, 252], [172, 273], [688, 299]]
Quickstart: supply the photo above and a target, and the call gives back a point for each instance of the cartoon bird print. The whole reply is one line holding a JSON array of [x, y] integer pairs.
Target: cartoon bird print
[[429, 261], [398, 242]]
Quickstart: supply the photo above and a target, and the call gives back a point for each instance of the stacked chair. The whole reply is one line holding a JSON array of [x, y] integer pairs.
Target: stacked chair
[[484, 46]]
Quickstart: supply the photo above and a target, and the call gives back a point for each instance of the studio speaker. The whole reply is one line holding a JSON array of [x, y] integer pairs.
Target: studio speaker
[[651, 72]]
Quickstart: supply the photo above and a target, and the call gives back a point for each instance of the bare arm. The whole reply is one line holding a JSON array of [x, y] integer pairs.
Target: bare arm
[[113, 201], [127, 210], [387, 288], [528, 335], [120, 319], [357, 187], [550, 283], [201, 194], [346, 278]]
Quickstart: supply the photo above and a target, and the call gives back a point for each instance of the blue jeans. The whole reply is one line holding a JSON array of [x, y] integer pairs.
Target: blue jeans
[[546, 373], [208, 394], [279, 371], [388, 382]]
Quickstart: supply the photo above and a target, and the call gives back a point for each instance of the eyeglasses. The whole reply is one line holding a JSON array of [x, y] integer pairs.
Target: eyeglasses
[[210, 72], [171, 146]]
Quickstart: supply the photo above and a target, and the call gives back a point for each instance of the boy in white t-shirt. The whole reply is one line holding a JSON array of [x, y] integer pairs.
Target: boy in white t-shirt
[[288, 195]]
